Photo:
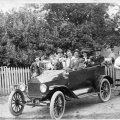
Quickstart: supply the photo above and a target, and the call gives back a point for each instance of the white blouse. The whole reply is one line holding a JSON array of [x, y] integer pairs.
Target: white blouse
[[117, 63]]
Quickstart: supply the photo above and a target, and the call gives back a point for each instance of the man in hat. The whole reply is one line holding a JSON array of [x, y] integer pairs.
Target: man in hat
[[77, 63], [98, 58], [36, 67]]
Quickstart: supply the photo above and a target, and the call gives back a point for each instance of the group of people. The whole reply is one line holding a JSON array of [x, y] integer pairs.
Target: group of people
[[75, 60]]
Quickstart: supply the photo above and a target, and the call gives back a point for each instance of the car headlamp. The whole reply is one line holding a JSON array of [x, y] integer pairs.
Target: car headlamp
[[22, 86], [43, 88]]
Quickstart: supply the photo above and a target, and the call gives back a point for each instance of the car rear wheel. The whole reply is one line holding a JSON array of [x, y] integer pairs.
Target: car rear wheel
[[105, 90], [16, 100], [57, 105]]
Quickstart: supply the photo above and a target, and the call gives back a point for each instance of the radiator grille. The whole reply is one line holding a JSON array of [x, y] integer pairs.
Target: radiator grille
[[34, 90]]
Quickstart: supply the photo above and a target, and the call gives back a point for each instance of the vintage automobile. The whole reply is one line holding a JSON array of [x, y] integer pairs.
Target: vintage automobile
[[55, 87]]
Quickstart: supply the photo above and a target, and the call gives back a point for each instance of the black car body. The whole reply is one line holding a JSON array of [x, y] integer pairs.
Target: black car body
[[54, 87]]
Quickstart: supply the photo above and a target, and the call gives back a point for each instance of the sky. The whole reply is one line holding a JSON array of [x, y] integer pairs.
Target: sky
[[6, 5]]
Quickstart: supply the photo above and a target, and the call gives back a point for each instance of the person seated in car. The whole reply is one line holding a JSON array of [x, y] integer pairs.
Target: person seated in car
[[97, 59], [68, 60], [52, 61], [59, 60], [85, 53], [78, 62], [36, 67]]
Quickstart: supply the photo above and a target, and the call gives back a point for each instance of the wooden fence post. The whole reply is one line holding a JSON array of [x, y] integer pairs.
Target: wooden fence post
[[7, 81], [10, 80]]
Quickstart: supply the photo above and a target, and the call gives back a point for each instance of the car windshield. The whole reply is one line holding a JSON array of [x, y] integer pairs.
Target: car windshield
[[53, 65]]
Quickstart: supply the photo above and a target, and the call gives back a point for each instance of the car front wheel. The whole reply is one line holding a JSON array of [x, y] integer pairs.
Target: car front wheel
[[16, 100], [105, 90], [57, 105]]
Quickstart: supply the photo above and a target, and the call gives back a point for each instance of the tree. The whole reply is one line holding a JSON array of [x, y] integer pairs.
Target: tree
[[42, 28]]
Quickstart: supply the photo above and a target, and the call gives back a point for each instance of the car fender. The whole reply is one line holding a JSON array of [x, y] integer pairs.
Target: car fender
[[64, 89], [99, 79]]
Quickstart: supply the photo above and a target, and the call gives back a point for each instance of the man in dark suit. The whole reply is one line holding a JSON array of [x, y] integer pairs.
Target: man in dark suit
[[97, 59], [77, 63], [36, 67]]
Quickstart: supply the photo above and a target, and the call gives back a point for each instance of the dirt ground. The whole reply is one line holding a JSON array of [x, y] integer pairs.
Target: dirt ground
[[85, 108]]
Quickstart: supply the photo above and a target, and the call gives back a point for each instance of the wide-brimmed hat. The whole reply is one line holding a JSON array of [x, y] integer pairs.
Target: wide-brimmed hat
[[76, 50], [85, 50], [37, 56]]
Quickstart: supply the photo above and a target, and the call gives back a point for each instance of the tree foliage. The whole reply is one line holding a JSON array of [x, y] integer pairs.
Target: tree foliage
[[42, 28]]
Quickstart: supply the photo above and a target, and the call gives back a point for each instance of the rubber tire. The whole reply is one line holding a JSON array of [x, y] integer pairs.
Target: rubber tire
[[10, 101], [52, 105], [99, 94]]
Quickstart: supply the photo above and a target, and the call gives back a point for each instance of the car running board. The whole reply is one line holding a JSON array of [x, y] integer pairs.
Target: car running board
[[88, 94], [83, 91]]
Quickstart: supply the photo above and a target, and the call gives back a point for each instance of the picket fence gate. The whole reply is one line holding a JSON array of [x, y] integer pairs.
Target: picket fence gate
[[11, 76]]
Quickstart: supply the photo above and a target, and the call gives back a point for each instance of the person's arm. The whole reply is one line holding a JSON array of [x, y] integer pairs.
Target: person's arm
[[41, 66], [79, 65], [82, 65], [102, 59], [91, 60], [31, 69], [72, 64]]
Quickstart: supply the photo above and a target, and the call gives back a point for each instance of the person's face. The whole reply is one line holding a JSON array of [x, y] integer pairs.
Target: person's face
[[69, 54], [60, 54], [76, 54], [37, 59], [85, 54]]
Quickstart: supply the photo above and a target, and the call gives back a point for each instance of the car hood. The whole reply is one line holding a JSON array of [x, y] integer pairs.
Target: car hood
[[48, 75]]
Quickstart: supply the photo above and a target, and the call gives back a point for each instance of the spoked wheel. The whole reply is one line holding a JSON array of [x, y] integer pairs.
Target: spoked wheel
[[105, 90], [57, 105], [16, 100]]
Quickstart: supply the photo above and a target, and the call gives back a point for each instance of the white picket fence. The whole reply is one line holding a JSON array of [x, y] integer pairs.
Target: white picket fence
[[12, 76]]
